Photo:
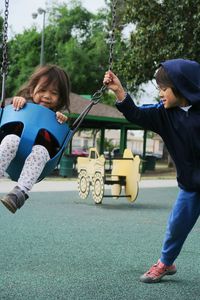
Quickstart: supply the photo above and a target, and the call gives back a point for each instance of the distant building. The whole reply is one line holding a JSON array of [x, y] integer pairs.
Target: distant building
[[154, 146]]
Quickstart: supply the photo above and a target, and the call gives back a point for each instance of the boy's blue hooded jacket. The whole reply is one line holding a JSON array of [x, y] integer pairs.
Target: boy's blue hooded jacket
[[179, 129]]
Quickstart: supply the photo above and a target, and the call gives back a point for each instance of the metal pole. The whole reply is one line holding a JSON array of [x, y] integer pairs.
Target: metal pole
[[123, 139], [144, 151], [102, 140], [42, 41]]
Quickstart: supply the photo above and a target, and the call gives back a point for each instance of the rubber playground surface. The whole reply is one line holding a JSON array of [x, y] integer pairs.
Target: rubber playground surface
[[59, 246]]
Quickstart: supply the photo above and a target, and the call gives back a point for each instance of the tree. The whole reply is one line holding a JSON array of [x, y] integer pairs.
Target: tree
[[80, 37], [162, 29], [23, 57], [75, 39]]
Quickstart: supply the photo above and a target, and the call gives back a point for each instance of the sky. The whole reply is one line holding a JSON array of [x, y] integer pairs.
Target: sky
[[20, 12]]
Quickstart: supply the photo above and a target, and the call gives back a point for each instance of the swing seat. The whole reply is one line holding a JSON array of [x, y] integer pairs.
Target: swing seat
[[35, 118]]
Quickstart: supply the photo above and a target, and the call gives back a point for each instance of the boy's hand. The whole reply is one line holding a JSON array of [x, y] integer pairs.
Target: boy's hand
[[18, 102], [61, 118], [114, 84]]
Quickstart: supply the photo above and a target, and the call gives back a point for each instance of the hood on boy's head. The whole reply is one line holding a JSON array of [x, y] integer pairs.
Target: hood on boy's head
[[185, 75]]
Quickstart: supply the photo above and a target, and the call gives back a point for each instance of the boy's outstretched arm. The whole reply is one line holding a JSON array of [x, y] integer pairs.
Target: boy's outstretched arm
[[113, 83], [147, 117]]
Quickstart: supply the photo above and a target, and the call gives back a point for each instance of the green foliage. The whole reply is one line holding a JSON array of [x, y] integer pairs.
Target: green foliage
[[81, 46], [23, 58], [75, 39], [108, 144], [162, 30], [70, 21], [109, 98]]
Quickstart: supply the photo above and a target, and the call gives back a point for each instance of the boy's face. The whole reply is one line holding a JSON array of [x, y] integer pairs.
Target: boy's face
[[169, 99]]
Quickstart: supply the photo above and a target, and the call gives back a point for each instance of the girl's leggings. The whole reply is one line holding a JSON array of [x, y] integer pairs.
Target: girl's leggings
[[184, 215], [34, 163]]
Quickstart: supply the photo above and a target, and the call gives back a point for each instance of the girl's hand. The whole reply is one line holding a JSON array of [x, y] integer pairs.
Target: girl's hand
[[113, 83], [61, 118], [18, 102]]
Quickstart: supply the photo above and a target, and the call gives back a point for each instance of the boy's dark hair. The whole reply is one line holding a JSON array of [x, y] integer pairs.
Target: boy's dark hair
[[54, 75], [163, 81]]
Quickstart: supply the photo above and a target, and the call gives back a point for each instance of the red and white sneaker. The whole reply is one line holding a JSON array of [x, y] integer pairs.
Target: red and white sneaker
[[157, 271]]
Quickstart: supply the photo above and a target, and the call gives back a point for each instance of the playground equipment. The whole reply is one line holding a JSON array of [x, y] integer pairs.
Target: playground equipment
[[125, 172], [30, 117]]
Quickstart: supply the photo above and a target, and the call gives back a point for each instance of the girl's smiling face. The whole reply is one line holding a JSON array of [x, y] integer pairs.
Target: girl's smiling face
[[45, 95]]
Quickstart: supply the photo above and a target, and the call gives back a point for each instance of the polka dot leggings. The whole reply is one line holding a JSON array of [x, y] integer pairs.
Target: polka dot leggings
[[34, 163]]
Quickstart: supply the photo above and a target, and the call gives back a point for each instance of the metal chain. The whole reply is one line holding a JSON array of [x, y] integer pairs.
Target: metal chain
[[4, 68], [95, 99], [98, 95], [112, 36]]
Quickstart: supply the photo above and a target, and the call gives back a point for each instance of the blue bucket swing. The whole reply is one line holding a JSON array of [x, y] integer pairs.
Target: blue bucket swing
[[34, 118]]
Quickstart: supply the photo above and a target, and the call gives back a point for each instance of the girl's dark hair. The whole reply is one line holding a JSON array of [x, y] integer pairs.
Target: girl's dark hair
[[163, 81], [56, 76]]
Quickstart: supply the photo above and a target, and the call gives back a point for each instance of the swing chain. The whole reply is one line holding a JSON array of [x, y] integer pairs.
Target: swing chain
[[95, 99], [98, 95], [112, 36], [4, 67]]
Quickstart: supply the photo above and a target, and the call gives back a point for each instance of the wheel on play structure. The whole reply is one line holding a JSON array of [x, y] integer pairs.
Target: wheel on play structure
[[83, 184], [97, 188], [116, 188]]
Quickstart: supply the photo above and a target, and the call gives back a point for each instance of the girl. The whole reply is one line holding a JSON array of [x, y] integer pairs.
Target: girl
[[48, 86]]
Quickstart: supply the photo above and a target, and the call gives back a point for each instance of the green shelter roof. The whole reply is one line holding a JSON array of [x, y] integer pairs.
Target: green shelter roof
[[100, 115]]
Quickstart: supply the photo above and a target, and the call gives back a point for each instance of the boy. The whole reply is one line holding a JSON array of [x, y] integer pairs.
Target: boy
[[176, 118]]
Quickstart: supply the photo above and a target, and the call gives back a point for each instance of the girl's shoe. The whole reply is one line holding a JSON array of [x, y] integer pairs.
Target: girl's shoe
[[15, 199], [157, 271]]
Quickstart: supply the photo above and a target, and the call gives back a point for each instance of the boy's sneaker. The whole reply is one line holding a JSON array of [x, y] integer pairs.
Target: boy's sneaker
[[157, 271], [15, 199]]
